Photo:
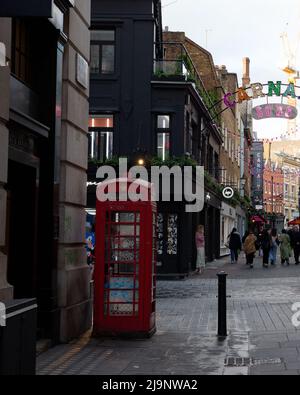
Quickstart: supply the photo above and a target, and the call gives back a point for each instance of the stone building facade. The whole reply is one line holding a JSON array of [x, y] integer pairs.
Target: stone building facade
[[43, 161], [285, 155], [230, 159], [273, 182]]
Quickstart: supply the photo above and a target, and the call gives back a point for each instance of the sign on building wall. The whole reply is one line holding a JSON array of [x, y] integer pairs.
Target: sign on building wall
[[256, 91], [2, 55], [274, 111], [258, 175], [82, 71]]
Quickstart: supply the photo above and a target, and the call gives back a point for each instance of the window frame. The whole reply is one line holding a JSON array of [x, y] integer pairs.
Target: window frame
[[99, 131], [100, 44], [21, 50], [166, 131]]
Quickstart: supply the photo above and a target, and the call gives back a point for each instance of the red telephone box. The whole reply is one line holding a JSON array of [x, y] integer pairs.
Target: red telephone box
[[125, 270]]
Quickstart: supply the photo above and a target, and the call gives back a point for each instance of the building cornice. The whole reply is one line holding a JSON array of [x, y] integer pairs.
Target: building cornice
[[64, 5]]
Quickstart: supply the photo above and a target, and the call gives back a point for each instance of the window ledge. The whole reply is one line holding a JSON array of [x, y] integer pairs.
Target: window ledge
[[112, 77]]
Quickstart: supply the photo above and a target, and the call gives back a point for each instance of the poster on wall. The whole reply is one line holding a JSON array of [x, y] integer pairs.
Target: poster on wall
[[122, 289], [257, 169]]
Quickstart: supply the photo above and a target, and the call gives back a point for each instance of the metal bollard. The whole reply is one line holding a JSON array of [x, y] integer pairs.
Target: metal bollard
[[222, 305]]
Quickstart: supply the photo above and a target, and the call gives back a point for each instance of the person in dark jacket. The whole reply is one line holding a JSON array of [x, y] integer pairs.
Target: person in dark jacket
[[235, 245], [295, 241], [266, 242]]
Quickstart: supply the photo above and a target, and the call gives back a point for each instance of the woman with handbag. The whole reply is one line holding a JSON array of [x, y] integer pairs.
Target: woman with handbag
[[250, 248]]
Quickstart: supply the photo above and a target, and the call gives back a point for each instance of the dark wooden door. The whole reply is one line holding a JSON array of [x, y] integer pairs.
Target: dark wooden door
[[22, 220]]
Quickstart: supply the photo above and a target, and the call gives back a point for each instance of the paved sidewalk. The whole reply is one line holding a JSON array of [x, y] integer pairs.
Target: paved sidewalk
[[262, 338]]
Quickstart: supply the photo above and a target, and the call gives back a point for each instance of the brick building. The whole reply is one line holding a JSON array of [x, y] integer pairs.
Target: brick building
[[285, 154], [273, 189], [234, 153], [203, 62]]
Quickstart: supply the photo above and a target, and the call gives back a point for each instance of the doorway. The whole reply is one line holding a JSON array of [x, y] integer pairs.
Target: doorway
[[21, 232], [167, 242]]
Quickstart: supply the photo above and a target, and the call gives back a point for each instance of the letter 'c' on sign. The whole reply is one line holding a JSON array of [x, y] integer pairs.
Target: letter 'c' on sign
[[229, 100]]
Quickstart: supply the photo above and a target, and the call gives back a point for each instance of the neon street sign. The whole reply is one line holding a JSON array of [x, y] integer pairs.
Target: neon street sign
[[274, 111], [256, 91]]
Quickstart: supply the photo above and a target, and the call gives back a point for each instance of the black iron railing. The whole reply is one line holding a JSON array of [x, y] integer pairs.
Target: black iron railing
[[177, 63]]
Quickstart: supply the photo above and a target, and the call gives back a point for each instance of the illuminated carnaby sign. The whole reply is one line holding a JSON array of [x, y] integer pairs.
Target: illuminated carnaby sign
[[256, 91], [274, 111]]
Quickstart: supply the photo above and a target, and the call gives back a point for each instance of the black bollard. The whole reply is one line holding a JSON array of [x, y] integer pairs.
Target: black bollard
[[222, 308]]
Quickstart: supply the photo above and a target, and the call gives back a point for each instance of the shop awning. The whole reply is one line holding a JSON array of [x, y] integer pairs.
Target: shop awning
[[20, 8], [259, 219], [295, 222]]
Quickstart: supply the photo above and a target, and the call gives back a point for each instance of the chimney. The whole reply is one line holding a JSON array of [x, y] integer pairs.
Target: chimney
[[246, 72], [166, 28]]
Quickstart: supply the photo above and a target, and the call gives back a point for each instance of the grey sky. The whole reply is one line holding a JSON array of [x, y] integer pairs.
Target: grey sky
[[239, 28]]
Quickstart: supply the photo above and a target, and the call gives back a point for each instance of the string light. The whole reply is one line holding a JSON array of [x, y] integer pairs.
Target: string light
[[279, 138]]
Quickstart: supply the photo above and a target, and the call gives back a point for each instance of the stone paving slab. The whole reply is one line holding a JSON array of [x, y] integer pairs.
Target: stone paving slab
[[262, 339], [183, 353]]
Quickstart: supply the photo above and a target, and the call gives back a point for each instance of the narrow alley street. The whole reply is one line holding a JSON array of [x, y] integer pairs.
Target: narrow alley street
[[139, 140], [262, 339]]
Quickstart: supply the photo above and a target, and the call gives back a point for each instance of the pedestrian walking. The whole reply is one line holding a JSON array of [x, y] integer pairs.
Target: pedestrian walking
[[259, 240], [296, 243], [266, 246], [235, 245], [285, 247], [250, 248], [274, 247], [200, 245], [245, 236]]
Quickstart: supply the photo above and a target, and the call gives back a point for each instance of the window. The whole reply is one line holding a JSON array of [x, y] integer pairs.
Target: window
[[188, 136], [103, 48], [223, 135], [223, 232], [216, 169], [211, 167], [226, 180], [163, 122], [101, 137], [233, 150], [229, 147], [163, 136], [195, 142], [21, 51]]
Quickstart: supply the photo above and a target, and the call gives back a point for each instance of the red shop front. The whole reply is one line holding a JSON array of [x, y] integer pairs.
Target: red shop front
[[125, 270]]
